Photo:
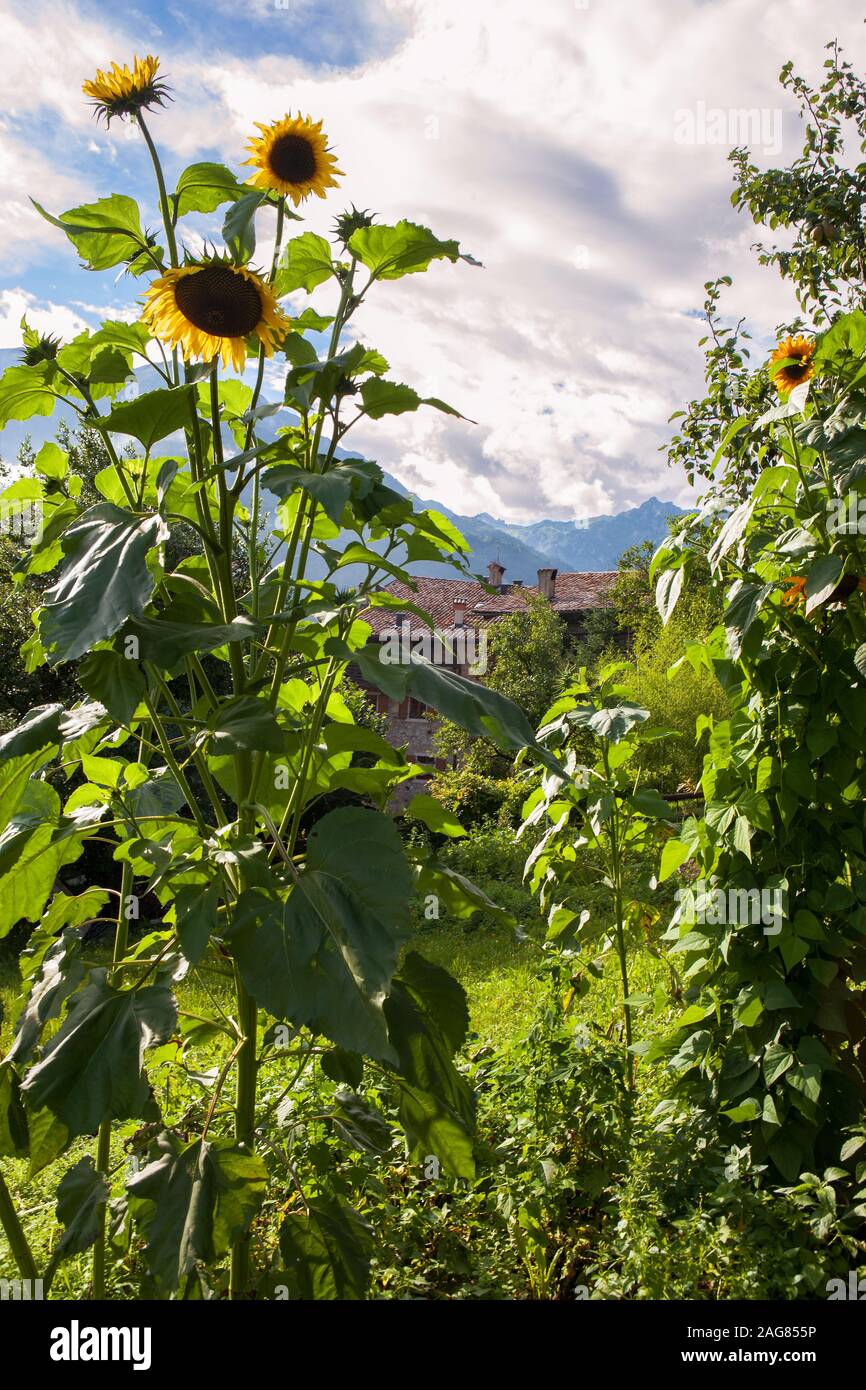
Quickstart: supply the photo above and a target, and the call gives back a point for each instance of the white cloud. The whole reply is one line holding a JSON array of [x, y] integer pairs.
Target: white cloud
[[56, 319], [542, 136]]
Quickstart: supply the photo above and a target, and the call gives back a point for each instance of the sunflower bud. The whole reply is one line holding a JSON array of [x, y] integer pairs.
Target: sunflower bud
[[349, 222]]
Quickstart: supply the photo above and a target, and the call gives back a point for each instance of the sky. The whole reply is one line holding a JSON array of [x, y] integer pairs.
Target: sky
[[577, 148]]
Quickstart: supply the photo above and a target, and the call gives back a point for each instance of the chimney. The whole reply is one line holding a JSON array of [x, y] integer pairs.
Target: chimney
[[547, 583], [459, 612], [495, 571]]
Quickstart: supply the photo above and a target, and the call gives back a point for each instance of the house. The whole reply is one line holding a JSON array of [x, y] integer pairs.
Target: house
[[463, 609]]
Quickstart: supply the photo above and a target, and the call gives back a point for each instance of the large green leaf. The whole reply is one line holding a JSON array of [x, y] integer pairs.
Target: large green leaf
[[13, 1118], [389, 252], [306, 263], [473, 706], [393, 398], [104, 580], [61, 973], [153, 416], [239, 225], [25, 392], [325, 956], [331, 490], [166, 643], [39, 729], [81, 1199], [427, 1022], [92, 1069], [193, 1201], [32, 852], [196, 917], [104, 233], [203, 187], [326, 1250], [115, 680], [246, 723]]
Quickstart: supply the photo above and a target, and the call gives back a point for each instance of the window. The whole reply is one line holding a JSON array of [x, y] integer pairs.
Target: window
[[417, 709]]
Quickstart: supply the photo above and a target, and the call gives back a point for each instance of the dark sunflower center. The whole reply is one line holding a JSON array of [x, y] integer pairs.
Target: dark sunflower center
[[219, 301], [292, 159]]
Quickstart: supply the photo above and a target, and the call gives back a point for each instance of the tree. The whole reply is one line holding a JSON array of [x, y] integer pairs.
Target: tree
[[819, 198]]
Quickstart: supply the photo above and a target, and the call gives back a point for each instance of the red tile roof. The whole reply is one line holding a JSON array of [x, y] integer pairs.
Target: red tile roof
[[575, 592]]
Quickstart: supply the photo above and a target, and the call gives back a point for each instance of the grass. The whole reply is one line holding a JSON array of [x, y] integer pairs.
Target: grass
[[504, 990]]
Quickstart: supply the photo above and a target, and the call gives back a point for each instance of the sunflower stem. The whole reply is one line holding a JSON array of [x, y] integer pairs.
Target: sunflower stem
[[163, 196]]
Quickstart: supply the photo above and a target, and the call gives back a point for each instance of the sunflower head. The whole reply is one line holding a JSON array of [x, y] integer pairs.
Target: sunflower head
[[797, 353], [350, 222], [292, 157], [120, 92], [211, 308]]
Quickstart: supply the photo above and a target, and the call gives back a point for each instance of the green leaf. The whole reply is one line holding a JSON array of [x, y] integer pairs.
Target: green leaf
[[246, 723], [39, 729], [81, 1199], [744, 603], [822, 579], [104, 233], [674, 854], [104, 579], [346, 1068], [613, 722], [668, 589], [239, 226], [427, 1022], [193, 1201], [13, 1118], [25, 392], [325, 956], [61, 973], [434, 815], [196, 917], [649, 802], [165, 643], [92, 1069], [327, 1251], [382, 397], [153, 416], [203, 187], [115, 681], [362, 1125], [390, 252], [306, 263], [475, 707], [331, 490]]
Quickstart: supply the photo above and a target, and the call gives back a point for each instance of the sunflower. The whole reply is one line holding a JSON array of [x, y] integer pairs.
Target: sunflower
[[120, 92], [211, 308], [797, 371], [291, 157]]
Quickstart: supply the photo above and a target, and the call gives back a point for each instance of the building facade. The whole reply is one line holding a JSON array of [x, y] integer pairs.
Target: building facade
[[465, 610]]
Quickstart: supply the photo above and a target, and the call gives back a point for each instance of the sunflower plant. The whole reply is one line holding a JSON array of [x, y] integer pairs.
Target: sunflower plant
[[211, 725], [770, 1042]]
